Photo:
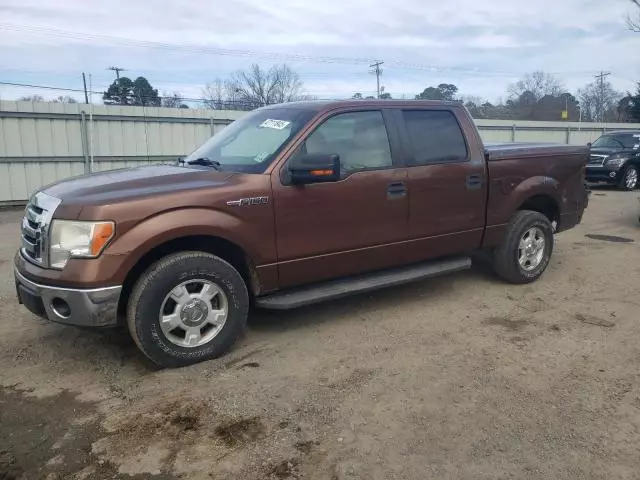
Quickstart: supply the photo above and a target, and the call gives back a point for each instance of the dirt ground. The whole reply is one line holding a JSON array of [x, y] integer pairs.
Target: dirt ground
[[460, 377]]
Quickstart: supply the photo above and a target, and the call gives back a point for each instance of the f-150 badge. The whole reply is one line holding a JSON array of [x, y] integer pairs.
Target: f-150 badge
[[245, 202]]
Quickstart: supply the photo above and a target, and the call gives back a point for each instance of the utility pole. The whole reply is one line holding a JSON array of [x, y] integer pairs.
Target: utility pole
[[84, 82], [378, 71], [117, 70], [600, 104]]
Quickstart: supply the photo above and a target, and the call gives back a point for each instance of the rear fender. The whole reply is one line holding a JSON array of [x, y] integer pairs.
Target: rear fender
[[538, 186], [507, 195]]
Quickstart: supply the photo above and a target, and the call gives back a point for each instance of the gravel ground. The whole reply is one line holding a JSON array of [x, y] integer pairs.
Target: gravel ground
[[457, 377]]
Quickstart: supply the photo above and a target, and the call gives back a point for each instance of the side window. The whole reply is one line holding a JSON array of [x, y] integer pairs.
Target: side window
[[360, 138], [435, 137]]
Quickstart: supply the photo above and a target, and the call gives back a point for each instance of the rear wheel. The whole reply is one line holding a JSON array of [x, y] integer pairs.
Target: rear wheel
[[629, 180], [186, 308], [526, 249]]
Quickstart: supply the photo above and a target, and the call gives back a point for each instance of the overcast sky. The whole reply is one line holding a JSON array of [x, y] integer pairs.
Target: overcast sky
[[479, 45]]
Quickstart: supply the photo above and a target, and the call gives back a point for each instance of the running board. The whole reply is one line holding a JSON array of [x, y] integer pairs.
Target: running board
[[333, 289]]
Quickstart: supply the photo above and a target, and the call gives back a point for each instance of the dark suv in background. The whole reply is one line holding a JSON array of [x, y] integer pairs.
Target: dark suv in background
[[615, 159]]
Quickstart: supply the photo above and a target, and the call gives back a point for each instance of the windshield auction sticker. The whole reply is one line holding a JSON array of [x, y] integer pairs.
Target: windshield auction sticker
[[277, 124]]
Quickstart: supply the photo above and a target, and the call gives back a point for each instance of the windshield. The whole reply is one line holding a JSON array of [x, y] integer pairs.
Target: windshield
[[623, 140], [252, 142]]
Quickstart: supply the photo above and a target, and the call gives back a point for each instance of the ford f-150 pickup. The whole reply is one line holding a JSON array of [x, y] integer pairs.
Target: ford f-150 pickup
[[290, 205]]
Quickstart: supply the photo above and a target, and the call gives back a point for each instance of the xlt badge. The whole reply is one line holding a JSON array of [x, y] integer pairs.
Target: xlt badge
[[245, 202]]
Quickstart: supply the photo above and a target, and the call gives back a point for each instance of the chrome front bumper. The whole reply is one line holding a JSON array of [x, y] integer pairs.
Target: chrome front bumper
[[97, 307]]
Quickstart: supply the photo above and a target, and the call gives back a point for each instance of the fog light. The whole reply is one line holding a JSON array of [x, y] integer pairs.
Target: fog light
[[612, 174], [60, 307]]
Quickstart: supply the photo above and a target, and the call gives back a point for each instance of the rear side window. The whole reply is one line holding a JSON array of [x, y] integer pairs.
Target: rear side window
[[436, 137]]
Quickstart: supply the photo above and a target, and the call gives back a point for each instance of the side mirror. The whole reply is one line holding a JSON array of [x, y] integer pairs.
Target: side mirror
[[314, 168], [589, 144]]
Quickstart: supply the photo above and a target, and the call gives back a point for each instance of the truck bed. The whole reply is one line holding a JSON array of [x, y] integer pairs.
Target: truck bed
[[505, 151]]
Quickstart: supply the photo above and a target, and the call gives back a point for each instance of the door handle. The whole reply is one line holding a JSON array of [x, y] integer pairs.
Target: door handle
[[396, 190], [474, 181]]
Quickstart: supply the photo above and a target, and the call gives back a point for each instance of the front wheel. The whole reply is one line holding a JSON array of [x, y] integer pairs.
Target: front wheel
[[526, 249], [186, 308], [629, 180]]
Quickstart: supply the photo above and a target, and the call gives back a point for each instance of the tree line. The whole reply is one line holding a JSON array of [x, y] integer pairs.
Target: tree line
[[542, 97], [536, 96], [243, 90]]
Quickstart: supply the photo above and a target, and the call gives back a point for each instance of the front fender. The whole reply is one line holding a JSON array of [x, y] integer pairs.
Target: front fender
[[133, 244]]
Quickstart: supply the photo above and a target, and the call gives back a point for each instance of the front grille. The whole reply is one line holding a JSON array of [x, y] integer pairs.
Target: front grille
[[597, 160], [35, 227], [32, 234]]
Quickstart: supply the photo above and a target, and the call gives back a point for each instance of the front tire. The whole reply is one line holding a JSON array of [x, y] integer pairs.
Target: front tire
[[629, 180], [186, 308], [526, 249]]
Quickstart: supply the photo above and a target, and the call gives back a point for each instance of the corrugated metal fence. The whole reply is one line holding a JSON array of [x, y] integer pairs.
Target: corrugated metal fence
[[44, 142]]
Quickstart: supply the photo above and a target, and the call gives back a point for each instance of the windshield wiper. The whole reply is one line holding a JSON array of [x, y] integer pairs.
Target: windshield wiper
[[205, 162]]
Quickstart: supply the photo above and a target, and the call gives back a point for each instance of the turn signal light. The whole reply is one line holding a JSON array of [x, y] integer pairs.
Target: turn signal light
[[102, 233], [321, 173]]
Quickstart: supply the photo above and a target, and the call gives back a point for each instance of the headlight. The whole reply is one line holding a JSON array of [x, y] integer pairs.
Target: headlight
[[616, 160], [71, 239]]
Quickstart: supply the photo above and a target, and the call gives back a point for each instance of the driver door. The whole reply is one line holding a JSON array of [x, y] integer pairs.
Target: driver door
[[336, 229]]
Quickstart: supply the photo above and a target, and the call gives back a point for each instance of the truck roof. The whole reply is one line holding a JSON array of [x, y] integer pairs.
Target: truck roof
[[319, 105]]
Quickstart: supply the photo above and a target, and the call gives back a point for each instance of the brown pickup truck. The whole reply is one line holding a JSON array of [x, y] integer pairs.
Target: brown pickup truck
[[291, 205]]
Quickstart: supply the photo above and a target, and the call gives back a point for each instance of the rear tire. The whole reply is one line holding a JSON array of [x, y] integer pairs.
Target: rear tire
[[186, 308], [629, 180], [526, 249]]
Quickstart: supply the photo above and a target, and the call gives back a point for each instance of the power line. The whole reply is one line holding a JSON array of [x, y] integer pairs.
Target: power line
[[46, 87], [97, 92], [252, 53], [241, 103], [167, 46]]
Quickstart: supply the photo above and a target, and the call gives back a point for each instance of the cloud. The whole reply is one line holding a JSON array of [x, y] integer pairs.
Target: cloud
[[480, 46]]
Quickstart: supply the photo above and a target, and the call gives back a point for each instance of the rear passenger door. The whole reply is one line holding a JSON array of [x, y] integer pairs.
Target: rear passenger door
[[446, 180]]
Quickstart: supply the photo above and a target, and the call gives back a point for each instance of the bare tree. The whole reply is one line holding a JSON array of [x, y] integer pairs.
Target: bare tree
[[472, 100], [538, 83], [31, 98], [288, 84], [64, 99], [215, 94], [624, 107], [258, 87], [224, 95], [246, 90], [633, 21], [599, 102], [173, 100]]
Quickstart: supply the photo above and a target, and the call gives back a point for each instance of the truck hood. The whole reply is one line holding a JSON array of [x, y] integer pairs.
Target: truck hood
[[120, 185]]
